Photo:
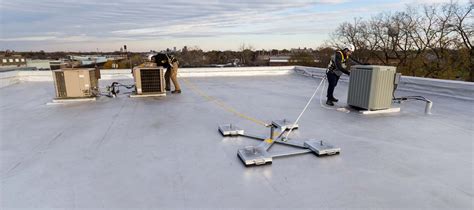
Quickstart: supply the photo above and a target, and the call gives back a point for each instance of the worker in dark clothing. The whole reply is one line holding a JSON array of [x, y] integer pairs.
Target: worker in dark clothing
[[168, 76], [171, 64], [163, 60], [337, 67]]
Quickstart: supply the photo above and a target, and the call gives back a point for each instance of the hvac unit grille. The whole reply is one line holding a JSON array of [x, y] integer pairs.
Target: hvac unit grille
[[371, 87], [60, 85], [151, 80]]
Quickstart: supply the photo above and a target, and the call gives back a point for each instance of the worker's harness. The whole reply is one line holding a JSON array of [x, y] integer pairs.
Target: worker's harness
[[332, 63]]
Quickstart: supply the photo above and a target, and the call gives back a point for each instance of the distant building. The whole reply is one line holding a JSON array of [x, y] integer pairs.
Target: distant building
[[233, 63], [57, 64], [88, 60], [279, 61], [45, 64], [39, 64], [300, 50], [15, 60], [283, 61], [115, 57]]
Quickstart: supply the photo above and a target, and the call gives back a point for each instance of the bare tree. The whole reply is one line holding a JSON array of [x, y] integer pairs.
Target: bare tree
[[192, 57], [354, 33], [463, 24], [246, 53], [422, 42]]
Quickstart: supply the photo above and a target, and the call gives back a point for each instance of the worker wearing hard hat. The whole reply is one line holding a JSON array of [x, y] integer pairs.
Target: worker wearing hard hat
[[336, 67]]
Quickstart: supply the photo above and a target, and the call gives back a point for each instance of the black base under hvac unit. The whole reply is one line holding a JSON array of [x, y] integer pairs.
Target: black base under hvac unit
[[149, 81]]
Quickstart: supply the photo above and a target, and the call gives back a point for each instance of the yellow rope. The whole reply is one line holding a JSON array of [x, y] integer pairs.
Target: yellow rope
[[221, 104]]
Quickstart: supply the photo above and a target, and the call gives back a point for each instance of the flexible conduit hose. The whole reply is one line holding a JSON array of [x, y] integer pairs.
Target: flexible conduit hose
[[428, 106], [114, 89]]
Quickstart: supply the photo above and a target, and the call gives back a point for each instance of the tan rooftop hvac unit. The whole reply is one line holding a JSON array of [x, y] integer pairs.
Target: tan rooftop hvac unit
[[371, 87], [76, 83], [149, 80]]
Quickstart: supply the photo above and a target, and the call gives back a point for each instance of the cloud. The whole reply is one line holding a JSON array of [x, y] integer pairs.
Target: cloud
[[28, 38], [49, 22], [143, 19]]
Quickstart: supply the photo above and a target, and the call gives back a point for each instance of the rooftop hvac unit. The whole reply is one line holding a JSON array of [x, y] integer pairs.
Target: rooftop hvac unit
[[371, 87], [149, 80], [75, 83]]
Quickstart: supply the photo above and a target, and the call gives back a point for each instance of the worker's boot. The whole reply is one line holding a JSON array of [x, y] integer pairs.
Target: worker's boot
[[334, 99], [329, 102], [176, 91]]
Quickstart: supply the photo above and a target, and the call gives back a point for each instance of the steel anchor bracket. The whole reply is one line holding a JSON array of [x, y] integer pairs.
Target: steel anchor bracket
[[259, 155]]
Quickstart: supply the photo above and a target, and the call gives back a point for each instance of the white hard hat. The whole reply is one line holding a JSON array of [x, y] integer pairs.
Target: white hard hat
[[350, 47]]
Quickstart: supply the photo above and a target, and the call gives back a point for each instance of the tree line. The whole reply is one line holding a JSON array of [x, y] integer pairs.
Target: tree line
[[432, 41]]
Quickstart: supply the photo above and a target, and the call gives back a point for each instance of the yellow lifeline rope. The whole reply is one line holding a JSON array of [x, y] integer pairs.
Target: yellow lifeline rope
[[221, 104]]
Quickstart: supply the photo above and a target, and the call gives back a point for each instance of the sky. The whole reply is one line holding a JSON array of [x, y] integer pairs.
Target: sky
[[144, 25]]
